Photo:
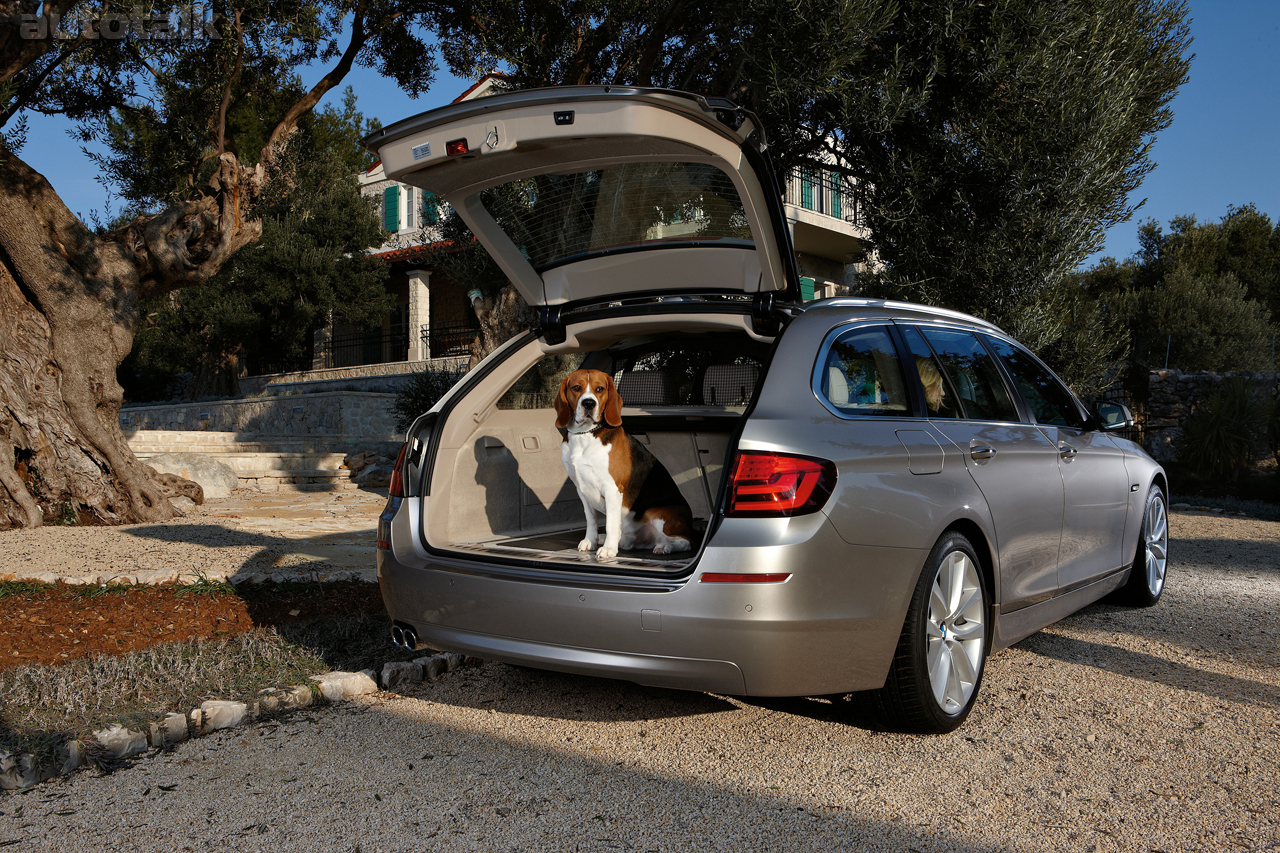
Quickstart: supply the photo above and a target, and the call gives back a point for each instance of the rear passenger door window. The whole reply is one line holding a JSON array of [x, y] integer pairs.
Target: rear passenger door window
[[861, 375], [974, 375], [1051, 404], [939, 396]]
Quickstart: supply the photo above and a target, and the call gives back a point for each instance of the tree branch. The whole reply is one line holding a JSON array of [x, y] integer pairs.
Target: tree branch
[[287, 124], [231, 82], [29, 90], [16, 54]]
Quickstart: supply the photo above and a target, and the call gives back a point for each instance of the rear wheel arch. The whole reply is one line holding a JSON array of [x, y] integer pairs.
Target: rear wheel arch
[[977, 537]]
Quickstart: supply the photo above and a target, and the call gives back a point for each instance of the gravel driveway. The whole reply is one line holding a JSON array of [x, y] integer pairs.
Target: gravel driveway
[[1114, 730]]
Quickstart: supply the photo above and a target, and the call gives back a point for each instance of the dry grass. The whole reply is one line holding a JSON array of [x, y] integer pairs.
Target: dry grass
[[41, 706]]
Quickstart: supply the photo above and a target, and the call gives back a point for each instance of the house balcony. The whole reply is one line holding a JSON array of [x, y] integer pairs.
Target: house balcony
[[826, 215]]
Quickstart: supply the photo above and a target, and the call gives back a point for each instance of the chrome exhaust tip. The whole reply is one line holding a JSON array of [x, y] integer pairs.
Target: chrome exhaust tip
[[397, 636], [410, 638]]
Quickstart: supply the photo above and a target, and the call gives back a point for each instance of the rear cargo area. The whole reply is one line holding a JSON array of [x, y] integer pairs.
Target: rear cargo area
[[499, 487]]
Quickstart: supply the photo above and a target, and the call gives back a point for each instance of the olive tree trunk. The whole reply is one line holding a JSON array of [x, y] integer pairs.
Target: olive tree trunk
[[68, 310]]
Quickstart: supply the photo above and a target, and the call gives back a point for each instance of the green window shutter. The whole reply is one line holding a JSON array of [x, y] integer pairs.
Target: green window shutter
[[837, 183], [391, 209], [430, 208], [806, 188], [806, 289]]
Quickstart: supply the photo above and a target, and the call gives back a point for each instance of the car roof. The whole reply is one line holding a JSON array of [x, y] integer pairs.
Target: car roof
[[890, 309]]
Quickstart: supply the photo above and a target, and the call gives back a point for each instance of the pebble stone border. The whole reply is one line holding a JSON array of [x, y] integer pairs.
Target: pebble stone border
[[115, 743], [164, 576]]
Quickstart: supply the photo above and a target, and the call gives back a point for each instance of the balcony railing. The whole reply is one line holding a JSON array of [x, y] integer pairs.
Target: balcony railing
[[353, 350], [444, 341], [825, 192]]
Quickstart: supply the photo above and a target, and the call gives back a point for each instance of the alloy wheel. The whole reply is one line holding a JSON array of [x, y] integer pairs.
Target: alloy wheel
[[955, 632], [1156, 529]]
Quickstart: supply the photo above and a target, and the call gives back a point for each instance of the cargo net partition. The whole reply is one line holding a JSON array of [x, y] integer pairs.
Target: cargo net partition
[[682, 375]]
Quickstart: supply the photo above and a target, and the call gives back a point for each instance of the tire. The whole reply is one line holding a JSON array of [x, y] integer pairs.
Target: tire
[[945, 634], [1150, 569]]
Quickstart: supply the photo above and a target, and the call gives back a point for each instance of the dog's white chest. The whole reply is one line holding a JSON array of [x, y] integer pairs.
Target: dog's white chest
[[586, 459]]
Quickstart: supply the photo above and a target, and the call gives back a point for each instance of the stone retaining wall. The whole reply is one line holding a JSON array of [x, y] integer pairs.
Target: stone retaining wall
[[1174, 395], [377, 378], [330, 413]]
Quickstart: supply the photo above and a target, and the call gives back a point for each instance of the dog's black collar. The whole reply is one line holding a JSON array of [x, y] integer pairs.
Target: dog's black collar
[[600, 427]]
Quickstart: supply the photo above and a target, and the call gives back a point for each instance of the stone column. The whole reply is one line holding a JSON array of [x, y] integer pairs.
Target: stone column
[[419, 313]]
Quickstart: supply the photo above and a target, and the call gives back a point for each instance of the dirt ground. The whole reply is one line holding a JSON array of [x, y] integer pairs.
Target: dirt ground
[[49, 624], [1115, 730], [276, 535]]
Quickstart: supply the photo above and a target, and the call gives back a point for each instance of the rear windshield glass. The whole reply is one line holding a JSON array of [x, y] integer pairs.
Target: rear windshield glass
[[555, 219]]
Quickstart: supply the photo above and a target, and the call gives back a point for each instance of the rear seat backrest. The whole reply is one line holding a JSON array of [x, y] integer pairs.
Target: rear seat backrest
[[729, 384], [645, 388]]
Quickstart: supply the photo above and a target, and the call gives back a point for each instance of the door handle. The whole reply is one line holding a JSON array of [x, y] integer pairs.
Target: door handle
[[1066, 451], [981, 452]]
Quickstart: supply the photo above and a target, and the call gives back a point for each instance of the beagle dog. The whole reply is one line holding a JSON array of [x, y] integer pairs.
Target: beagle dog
[[615, 474]]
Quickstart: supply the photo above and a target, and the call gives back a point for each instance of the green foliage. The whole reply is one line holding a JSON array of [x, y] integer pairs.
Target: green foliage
[[1223, 435], [999, 141], [995, 143], [1198, 294], [423, 391], [261, 311]]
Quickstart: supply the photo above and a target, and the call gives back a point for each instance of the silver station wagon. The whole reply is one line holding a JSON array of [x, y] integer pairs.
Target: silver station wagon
[[882, 493]]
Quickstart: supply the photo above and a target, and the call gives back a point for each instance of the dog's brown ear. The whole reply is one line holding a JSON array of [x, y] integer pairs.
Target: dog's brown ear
[[564, 412], [613, 408]]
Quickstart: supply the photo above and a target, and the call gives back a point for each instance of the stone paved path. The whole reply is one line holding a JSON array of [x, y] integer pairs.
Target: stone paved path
[[279, 534]]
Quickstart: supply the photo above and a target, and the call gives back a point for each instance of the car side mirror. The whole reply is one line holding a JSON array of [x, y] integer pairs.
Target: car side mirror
[[1113, 416]]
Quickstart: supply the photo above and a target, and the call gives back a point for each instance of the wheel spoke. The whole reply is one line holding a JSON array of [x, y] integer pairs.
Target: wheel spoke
[[939, 673], [956, 580], [1156, 549], [933, 630], [966, 601], [962, 667], [955, 683], [937, 603]]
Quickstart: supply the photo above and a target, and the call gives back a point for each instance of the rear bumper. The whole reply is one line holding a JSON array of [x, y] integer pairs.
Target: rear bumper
[[831, 627]]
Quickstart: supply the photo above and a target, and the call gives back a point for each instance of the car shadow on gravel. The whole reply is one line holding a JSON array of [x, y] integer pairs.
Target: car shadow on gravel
[[1252, 556], [562, 696], [1145, 667]]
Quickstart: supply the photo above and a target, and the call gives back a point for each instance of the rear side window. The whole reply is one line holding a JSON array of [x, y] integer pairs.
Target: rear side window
[[974, 375], [1049, 401], [862, 375]]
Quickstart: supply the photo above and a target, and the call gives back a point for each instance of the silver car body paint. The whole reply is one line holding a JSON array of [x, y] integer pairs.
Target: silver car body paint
[[1052, 534]]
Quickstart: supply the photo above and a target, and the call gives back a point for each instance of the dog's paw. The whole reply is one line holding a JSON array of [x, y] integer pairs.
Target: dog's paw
[[662, 549], [606, 554], [586, 545]]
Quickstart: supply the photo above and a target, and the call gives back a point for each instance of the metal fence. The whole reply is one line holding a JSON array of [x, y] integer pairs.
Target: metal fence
[[441, 341], [827, 192], [353, 350]]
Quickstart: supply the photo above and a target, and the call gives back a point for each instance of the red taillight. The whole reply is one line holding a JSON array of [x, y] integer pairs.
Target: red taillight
[[777, 484], [759, 577], [456, 147], [397, 475]]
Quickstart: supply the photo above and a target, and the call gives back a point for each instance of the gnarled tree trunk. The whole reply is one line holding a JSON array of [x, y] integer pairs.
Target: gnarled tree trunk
[[68, 310]]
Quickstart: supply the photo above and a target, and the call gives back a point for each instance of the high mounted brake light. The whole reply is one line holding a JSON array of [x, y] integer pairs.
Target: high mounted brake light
[[456, 147], [765, 485]]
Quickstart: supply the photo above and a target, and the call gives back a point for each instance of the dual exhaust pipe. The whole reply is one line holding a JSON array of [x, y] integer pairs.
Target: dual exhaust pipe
[[404, 636]]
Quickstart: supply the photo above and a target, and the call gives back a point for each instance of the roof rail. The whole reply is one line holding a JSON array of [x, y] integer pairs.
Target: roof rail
[[892, 305]]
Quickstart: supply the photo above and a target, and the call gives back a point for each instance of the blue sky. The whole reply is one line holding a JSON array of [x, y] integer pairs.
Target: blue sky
[[1221, 149]]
